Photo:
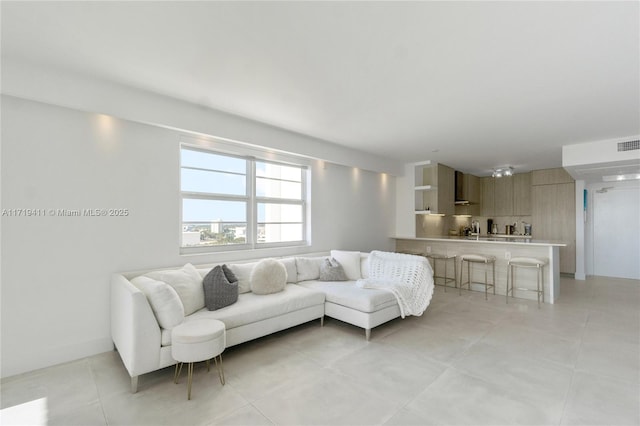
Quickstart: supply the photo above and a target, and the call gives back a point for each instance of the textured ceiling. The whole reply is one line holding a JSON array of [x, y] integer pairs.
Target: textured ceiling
[[474, 85]]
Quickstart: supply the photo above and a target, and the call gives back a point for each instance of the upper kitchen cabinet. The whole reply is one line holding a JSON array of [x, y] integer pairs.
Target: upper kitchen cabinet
[[503, 196], [488, 197], [434, 188], [550, 177], [506, 196], [522, 194]]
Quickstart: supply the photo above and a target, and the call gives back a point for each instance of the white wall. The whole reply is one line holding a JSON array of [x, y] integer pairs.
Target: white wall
[[56, 270], [84, 93], [405, 204]]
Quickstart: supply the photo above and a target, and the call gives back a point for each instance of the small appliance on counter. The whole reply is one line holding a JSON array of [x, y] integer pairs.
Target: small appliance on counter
[[527, 228], [490, 227]]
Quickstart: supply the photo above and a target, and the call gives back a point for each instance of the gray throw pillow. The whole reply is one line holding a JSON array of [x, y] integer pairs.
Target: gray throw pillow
[[220, 288], [332, 270]]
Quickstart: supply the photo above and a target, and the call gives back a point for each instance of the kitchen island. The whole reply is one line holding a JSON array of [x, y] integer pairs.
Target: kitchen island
[[503, 248]]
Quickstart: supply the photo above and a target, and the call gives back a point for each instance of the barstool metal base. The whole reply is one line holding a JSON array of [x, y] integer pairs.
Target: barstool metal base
[[445, 279], [477, 259], [538, 264]]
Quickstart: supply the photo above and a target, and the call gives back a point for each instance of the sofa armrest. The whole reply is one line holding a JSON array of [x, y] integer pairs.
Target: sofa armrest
[[134, 328]]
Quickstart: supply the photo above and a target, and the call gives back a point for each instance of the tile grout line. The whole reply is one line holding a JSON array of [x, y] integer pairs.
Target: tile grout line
[[574, 370], [95, 383]]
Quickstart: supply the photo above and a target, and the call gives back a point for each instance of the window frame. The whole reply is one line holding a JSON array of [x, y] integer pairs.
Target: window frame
[[250, 197], [273, 200]]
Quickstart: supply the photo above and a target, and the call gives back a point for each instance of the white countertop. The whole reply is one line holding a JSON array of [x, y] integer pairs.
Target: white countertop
[[511, 239]]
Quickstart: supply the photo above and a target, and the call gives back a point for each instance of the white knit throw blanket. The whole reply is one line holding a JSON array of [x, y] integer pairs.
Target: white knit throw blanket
[[407, 276]]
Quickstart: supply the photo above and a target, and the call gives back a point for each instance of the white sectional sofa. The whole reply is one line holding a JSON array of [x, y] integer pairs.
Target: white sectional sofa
[[145, 346]]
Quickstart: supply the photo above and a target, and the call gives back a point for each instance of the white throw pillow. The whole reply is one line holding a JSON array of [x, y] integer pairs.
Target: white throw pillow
[[292, 273], [308, 268], [187, 282], [268, 276], [204, 271], [242, 271], [364, 265], [164, 301], [350, 261]]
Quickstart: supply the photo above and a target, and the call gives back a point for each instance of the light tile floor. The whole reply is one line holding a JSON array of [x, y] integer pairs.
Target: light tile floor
[[466, 361]]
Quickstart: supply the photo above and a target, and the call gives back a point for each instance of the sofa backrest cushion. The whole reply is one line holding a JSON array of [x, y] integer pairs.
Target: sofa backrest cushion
[[187, 282], [242, 271], [220, 288], [308, 268], [290, 265], [350, 261], [268, 276], [364, 265], [164, 301]]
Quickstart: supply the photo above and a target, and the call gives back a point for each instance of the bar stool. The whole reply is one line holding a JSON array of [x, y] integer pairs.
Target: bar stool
[[435, 257], [477, 259], [527, 262]]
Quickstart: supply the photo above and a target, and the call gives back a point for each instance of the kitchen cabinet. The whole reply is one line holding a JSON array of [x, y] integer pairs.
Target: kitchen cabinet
[[487, 208], [550, 176], [434, 188], [503, 196], [554, 214], [506, 196], [522, 194]]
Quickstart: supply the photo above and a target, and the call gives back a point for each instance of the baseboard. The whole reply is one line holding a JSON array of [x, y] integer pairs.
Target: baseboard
[[26, 360]]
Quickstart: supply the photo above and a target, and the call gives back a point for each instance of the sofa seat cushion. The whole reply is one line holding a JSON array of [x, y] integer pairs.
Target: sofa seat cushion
[[252, 307], [347, 294]]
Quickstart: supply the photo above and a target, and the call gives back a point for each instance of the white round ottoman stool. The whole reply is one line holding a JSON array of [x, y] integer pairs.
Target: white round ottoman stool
[[195, 341]]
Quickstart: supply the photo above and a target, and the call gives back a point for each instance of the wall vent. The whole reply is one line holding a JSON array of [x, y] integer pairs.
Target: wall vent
[[628, 146]]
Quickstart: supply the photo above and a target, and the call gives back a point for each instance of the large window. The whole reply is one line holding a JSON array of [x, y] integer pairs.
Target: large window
[[233, 202]]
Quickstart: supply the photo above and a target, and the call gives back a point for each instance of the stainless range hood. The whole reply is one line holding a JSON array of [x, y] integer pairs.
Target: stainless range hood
[[460, 196]]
